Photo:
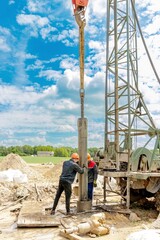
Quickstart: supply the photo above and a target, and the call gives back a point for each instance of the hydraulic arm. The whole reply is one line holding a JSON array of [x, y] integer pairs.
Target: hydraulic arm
[[79, 7]]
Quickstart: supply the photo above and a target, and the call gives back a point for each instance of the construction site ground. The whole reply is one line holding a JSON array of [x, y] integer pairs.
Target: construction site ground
[[40, 189]]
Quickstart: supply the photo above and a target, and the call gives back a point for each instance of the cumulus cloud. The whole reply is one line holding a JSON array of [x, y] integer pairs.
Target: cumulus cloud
[[30, 19], [50, 74], [30, 56], [4, 46], [11, 95], [52, 103], [153, 27], [11, 2], [5, 39], [34, 6], [62, 104], [97, 10], [148, 7], [96, 45], [46, 31], [69, 63]]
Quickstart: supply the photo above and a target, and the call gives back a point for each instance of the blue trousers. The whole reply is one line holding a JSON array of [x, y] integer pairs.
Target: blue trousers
[[90, 191]]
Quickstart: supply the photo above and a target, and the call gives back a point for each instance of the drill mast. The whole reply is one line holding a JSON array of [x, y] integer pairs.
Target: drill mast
[[79, 7]]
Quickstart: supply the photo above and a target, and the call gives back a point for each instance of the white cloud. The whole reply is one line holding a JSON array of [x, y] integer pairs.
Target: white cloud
[[6, 40], [92, 29], [16, 97], [96, 45], [11, 2], [68, 37], [62, 104], [30, 56], [38, 64], [38, 110], [51, 90], [33, 6], [69, 63], [154, 26], [71, 79], [4, 47], [50, 74], [32, 141], [97, 10], [45, 32], [32, 20], [148, 6]]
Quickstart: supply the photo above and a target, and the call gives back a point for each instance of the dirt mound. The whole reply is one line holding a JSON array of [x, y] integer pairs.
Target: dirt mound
[[14, 161], [54, 173]]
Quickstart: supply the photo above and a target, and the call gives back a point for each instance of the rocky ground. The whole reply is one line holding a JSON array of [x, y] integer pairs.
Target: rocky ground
[[41, 187]]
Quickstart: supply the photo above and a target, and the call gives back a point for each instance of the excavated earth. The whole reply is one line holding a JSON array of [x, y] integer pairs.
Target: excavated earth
[[41, 187]]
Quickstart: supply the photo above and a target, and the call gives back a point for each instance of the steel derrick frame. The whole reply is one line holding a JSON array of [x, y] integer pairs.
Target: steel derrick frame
[[126, 114]]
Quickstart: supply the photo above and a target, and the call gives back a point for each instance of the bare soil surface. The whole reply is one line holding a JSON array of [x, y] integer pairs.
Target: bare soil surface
[[42, 184]]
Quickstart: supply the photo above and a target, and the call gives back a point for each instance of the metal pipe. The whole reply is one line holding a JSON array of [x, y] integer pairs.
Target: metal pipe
[[106, 80], [129, 101], [145, 46], [116, 87], [81, 61]]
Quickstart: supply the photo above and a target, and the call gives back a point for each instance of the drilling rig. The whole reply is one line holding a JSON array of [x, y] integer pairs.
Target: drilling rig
[[131, 151], [79, 7], [130, 132]]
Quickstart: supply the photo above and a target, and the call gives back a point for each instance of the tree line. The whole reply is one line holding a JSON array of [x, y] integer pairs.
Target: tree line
[[28, 150]]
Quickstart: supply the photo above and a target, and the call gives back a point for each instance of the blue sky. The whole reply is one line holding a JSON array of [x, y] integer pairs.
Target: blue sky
[[39, 70]]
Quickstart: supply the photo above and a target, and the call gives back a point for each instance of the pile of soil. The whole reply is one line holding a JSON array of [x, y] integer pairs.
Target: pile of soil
[[6, 193], [14, 161], [38, 186]]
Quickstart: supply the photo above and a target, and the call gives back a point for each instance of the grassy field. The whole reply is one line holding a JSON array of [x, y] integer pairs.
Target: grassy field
[[30, 159]]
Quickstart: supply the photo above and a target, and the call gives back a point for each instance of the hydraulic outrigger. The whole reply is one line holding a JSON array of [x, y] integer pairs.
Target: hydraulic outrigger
[[79, 7]]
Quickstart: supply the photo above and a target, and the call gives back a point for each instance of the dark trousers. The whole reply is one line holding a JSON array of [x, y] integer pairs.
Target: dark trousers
[[67, 188], [90, 191]]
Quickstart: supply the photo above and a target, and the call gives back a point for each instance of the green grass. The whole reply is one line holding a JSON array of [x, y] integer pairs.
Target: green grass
[[54, 160], [1, 158]]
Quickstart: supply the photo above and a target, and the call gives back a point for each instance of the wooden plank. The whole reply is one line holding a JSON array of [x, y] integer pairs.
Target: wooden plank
[[33, 214], [113, 174], [143, 175], [71, 236], [14, 203], [112, 208], [138, 175]]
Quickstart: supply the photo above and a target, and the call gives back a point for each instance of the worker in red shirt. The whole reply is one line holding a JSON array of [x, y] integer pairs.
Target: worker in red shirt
[[92, 176]]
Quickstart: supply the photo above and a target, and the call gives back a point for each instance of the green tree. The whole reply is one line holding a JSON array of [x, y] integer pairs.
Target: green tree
[[3, 151], [92, 151], [61, 152], [27, 150]]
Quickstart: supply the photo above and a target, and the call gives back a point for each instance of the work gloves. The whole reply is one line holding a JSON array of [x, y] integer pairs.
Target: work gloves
[[95, 183]]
